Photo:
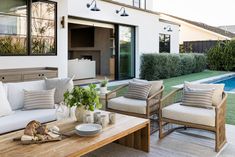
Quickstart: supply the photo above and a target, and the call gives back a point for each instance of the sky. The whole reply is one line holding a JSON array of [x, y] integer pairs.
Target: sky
[[212, 12]]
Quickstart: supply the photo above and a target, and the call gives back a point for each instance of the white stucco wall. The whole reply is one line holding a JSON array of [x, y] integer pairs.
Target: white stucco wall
[[147, 24], [174, 35], [191, 33], [59, 61], [149, 3]]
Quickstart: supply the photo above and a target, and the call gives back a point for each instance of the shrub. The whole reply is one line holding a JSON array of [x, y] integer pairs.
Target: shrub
[[187, 64], [165, 65], [222, 56], [174, 65], [214, 57], [148, 70], [200, 62]]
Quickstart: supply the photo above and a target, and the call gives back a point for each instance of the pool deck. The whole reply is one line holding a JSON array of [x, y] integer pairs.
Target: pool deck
[[111, 83], [209, 79]]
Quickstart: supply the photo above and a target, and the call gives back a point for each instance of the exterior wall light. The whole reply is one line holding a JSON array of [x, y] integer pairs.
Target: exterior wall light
[[95, 8], [62, 22], [168, 29], [123, 14]]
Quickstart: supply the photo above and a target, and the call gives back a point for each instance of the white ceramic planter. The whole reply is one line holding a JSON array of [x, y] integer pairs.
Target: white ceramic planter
[[80, 113], [103, 90]]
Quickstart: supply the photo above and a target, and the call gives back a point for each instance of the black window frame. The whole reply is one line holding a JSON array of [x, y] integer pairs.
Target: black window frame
[[29, 31], [168, 49]]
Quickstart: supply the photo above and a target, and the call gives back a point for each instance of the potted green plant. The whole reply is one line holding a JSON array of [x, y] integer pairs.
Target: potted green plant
[[103, 86], [86, 100]]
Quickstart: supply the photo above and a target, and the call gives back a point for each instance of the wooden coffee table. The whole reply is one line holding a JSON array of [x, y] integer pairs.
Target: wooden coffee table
[[128, 131]]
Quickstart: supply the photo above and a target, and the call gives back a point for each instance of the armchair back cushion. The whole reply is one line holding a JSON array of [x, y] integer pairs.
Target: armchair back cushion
[[156, 85], [217, 94]]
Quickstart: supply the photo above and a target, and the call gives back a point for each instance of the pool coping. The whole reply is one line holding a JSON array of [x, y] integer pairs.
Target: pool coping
[[209, 79]]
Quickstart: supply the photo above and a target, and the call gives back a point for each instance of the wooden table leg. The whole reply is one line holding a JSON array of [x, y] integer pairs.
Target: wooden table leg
[[138, 140], [145, 138]]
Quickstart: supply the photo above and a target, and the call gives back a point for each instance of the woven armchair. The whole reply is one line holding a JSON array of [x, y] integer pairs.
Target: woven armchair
[[151, 104], [219, 121]]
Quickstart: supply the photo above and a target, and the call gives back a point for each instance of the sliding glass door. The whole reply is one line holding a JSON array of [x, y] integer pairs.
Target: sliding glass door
[[126, 52]]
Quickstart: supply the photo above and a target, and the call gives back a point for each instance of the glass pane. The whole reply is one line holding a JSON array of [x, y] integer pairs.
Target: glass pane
[[142, 4], [14, 7], [126, 52], [164, 43], [136, 3], [13, 27], [43, 27]]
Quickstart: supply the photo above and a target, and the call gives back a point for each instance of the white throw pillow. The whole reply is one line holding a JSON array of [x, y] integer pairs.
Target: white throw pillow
[[5, 108]]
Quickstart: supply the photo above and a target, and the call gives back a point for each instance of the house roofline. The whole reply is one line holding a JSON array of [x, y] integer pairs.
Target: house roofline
[[167, 21], [212, 29]]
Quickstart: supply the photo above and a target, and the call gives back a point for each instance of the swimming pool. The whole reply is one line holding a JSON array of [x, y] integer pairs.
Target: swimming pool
[[228, 81]]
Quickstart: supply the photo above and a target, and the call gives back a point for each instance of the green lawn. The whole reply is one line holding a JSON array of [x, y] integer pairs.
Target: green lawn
[[168, 83]]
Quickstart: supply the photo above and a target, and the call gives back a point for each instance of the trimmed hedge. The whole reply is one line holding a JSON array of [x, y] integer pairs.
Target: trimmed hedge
[[222, 56], [164, 65]]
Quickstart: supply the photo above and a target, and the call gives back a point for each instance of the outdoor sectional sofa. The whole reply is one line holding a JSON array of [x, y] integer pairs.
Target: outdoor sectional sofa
[[20, 118]]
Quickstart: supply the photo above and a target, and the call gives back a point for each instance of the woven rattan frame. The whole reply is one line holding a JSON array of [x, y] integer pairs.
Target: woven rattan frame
[[219, 129]]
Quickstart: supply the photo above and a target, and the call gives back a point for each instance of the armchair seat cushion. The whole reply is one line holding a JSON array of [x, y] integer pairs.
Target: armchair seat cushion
[[128, 105], [190, 114]]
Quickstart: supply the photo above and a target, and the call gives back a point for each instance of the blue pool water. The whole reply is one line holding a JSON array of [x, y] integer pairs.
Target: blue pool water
[[228, 81]]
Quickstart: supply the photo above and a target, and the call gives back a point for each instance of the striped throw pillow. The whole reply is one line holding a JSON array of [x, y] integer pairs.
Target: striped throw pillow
[[197, 97], [138, 90], [43, 99]]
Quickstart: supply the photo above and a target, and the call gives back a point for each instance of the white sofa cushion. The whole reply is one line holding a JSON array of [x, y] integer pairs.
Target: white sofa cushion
[[15, 92], [61, 86], [5, 107], [20, 119], [190, 114], [128, 105], [218, 90]]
